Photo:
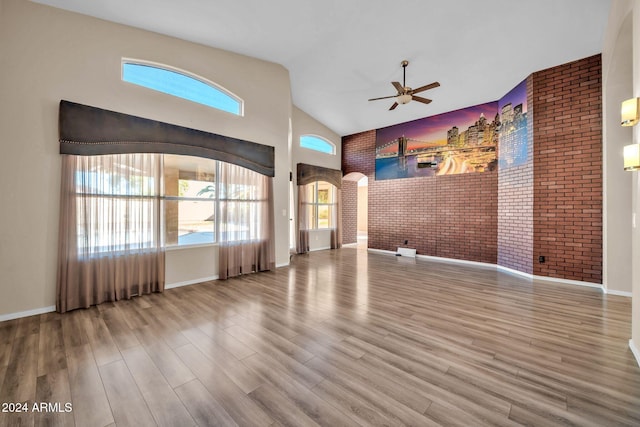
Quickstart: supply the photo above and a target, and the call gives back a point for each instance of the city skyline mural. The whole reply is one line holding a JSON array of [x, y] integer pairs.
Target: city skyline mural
[[460, 141], [512, 135]]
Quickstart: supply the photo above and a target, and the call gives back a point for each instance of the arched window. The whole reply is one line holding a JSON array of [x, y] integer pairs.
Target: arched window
[[317, 143], [181, 84]]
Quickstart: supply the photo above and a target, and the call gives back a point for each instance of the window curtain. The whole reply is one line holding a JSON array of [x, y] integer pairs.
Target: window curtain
[[246, 241], [110, 231], [307, 175], [302, 226]]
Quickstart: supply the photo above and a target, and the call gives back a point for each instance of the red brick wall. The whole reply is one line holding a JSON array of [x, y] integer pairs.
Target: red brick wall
[[359, 154], [515, 206], [551, 206], [349, 211], [568, 170], [448, 216]]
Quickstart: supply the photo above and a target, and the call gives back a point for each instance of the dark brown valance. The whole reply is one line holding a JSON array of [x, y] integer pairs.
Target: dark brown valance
[[310, 173], [88, 131]]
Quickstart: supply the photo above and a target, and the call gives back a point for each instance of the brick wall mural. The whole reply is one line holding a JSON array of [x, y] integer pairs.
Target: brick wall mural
[[543, 199]]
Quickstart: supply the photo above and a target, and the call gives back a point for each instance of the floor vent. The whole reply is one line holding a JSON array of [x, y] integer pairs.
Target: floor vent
[[406, 252]]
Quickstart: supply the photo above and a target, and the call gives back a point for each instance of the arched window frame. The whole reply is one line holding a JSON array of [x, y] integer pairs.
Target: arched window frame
[[189, 75], [318, 137]]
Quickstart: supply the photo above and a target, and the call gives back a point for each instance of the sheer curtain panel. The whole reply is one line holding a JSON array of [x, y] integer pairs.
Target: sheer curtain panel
[[302, 242], [110, 232], [246, 223]]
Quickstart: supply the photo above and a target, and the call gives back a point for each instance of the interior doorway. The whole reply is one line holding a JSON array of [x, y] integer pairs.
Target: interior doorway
[[363, 209]]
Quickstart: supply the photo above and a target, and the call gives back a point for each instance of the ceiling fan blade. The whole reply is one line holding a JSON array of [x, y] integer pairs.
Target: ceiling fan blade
[[393, 107], [420, 99], [425, 87], [398, 87], [383, 97]]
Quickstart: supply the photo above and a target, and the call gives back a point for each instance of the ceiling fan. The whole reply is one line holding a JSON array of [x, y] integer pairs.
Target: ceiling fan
[[406, 94]]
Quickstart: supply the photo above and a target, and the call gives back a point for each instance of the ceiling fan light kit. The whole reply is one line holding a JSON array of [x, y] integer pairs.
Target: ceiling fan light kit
[[403, 99], [405, 93]]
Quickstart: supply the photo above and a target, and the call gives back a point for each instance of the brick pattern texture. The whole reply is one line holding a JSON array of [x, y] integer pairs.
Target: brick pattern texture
[[568, 170], [359, 154], [552, 206], [515, 206], [448, 216], [349, 211]]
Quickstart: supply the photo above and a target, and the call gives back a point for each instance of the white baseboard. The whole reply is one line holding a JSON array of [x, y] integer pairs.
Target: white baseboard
[[635, 351], [348, 245], [381, 251], [514, 272], [324, 248], [286, 264], [27, 313], [190, 282], [568, 282], [510, 271], [457, 261], [614, 292]]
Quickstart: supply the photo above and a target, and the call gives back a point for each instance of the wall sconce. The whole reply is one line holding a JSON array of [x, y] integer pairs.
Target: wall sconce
[[632, 157], [629, 112]]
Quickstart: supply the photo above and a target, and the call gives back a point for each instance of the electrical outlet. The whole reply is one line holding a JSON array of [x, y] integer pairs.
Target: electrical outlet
[[541, 259], [406, 242]]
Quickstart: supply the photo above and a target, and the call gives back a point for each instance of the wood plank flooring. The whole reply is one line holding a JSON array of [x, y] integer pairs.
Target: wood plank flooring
[[339, 338]]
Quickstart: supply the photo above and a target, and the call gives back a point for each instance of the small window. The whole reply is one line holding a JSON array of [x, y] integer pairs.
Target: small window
[[317, 143], [321, 196], [182, 85]]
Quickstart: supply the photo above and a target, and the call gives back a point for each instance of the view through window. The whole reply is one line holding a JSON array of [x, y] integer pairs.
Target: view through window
[[181, 84], [317, 143], [321, 197]]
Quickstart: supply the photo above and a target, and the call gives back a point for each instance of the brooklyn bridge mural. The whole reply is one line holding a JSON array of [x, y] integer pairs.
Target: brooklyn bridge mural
[[461, 141]]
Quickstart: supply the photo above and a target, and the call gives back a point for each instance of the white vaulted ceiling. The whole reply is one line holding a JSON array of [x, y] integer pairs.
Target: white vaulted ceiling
[[339, 53]]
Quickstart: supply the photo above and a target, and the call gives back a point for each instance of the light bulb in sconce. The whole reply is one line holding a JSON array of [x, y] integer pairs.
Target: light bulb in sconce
[[632, 157], [629, 112]]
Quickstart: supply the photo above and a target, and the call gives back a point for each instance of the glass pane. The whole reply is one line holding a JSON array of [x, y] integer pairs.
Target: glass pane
[[189, 222], [108, 224], [311, 216], [181, 86], [233, 191], [324, 216], [317, 144], [196, 189], [311, 193], [325, 192], [244, 220], [187, 176], [119, 174]]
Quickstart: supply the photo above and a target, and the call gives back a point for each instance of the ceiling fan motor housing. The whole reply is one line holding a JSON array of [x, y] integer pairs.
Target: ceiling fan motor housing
[[405, 94]]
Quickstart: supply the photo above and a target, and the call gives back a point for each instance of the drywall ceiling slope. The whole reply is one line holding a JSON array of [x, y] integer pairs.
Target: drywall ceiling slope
[[341, 52]]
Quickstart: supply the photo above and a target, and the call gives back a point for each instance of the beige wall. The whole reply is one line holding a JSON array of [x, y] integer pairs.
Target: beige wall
[[617, 82], [636, 186], [304, 124], [621, 189], [47, 55]]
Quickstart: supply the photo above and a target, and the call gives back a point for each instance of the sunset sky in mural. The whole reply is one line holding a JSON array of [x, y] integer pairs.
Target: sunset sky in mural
[[434, 128]]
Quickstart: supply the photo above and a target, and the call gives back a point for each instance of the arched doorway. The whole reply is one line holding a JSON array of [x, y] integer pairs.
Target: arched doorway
[[355, 207]]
